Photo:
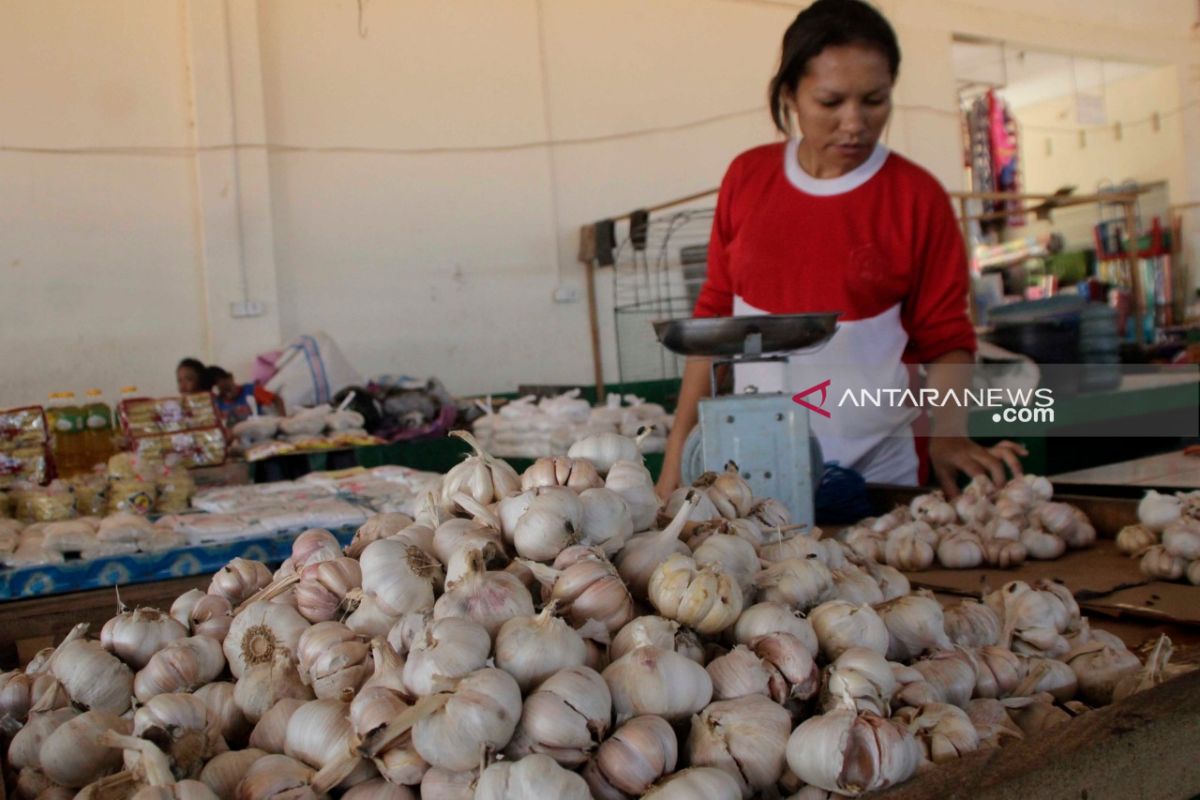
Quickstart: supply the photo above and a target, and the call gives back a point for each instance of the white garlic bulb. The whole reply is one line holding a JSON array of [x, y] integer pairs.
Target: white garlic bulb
[[1156, 510], [586, 587], [489, 598], [915, 624], [792, 672], [263, 685], [332, 660], [738, 673], [224, 772], [373, 708], [313, 545], [1035, 714], [1133, 539], [666, 634], [26, 745], [945, 732], [859, 680], [746, 738], [1004, 553], [800, 583], [932, 508], [321, 594], [93, 677], [703, 598], [532, 776], [440, 784], [960, 551], [319, 734], [970, 623], [768, 617], [891, 581], [1157, 563], [650, 680], [973, 508], [992, 723], [552, 522], [735, 556], [565, 718], [531, 649], [211, 616], [606, 522], [448, 650], [633, 482], [637, 755], [703, 511], [999, 672], [257, 631], [1154, 672], [1182, 539], [849, 753], [1042, 545], [377, 526], [707, 782], [1099, 666], [184, 665], [183, 727], [224, 713], [278, 776], [400, 577], [855, 586], [906, 550], [135, 636], [270, 732], [1046, 675], [770, 513], [407, 629], [15, 695], [575, 474], [480, 476], [480, 715], [605, 449], [71, 755], [643, 553], [953, 673], [239, 579], [865, 543], [840, 625]]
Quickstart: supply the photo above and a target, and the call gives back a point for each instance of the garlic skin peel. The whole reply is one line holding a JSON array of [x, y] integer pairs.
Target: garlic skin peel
[[480, 715], [650, 680], [534, 776], [257, 631], [637, 755], [849, 753], [745, 737], [135, 636]]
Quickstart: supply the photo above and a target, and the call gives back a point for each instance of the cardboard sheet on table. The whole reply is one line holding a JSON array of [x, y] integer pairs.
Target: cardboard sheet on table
[[1178, 602], [1090, 573]]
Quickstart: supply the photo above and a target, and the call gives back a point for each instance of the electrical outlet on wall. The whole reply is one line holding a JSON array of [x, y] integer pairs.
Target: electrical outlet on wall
[[566, 294], [247, 308]]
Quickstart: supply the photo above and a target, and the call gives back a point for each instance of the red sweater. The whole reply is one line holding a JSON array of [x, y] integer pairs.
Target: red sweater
[[881, 246]]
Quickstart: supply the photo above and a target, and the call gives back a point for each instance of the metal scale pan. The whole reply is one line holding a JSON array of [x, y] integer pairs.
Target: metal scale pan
[[767, 434]]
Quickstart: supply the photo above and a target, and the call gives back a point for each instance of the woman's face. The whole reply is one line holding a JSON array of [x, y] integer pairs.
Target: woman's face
[[842, 104], [187, 380]]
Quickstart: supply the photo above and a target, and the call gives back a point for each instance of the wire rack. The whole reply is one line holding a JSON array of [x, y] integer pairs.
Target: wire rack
[[660, 266]]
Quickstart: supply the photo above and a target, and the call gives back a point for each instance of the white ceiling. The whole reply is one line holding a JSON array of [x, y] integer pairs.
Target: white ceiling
[[1030, 76]]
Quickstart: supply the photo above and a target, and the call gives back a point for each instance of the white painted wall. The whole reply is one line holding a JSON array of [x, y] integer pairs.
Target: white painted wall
[[391, 183]]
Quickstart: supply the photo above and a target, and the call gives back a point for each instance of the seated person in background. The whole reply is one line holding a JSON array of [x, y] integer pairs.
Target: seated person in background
[[191, 376], [232, 398]]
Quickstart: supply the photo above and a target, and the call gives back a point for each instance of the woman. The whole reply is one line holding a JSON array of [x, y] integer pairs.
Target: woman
[[832, 221]]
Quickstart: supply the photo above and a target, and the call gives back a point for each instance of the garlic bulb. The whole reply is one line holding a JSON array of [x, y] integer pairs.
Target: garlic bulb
[[270, 732], [312, 546], [840, 625], [746, 738], [182, 726], [378, 526], [1154, 672], [263, 685], [637, 755], [224, 772], [703, 511], [586, 586], [970, 623], [945, 732], [399, 577], [932, 508], [633, 482], [182, 666], [480, 715], [258, 631], [1081, 533], [643, 553], [1157, 563], [1030, 626], [239, 579], [992, 723], [448, 650], [319, 734], [71, 756], [605, 449], [859, 680], [912, 690], [1004, 553], [767, 617], [93, 677], [551, 524], [480, 476], [440, 784], [1041, 545], [650, 680], [855, 586], [370, 713], [532, 776], [954, 674], [489, 598], [735, 556], [531, 649], [915, 624], [891, 581], [973, 508], [1099, 667], [865, 544], [1156, 511], [575, 474], [703, 598], [15, 696], [388, 668], [738, 673], [1046, 675], [332, 660], [743, 528], [606, 522], [46, 694], [224, 713], [25, 748], [1133, 539], [135, 636], [323, 587], [960, 551], [800, 583], [792, 673], [999, 672], [565, 718], [707, 782], [660, 632], [908, 551], [849, 753], [770, 513], [211, 616], [1182, 540], [731, 486], [278, 776]]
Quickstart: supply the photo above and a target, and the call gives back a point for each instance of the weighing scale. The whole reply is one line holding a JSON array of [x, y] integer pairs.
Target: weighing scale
[[766, 434]]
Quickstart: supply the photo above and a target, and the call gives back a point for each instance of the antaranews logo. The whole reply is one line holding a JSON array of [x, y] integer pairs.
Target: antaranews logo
[[823, 388], [1007, 405]]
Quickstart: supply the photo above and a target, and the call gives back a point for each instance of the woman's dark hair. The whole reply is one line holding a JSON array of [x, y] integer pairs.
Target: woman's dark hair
[[196, 366], [828, 23]]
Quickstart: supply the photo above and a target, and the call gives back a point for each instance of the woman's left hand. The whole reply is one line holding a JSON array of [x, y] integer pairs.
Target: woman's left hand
[[950, 455]]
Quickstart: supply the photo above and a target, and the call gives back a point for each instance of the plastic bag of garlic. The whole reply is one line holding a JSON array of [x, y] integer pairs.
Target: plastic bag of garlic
[[536, 635]]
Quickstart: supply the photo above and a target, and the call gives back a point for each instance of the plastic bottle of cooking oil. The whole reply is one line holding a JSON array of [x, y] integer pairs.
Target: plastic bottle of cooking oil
[[98, 433], [66, 420]]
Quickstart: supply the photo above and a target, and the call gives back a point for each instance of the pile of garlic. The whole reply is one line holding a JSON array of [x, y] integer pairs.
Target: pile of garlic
[[1166, 537], [536, 635], [984, 526]]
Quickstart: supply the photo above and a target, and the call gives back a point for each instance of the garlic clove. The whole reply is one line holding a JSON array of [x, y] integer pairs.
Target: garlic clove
[[26, 745]]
